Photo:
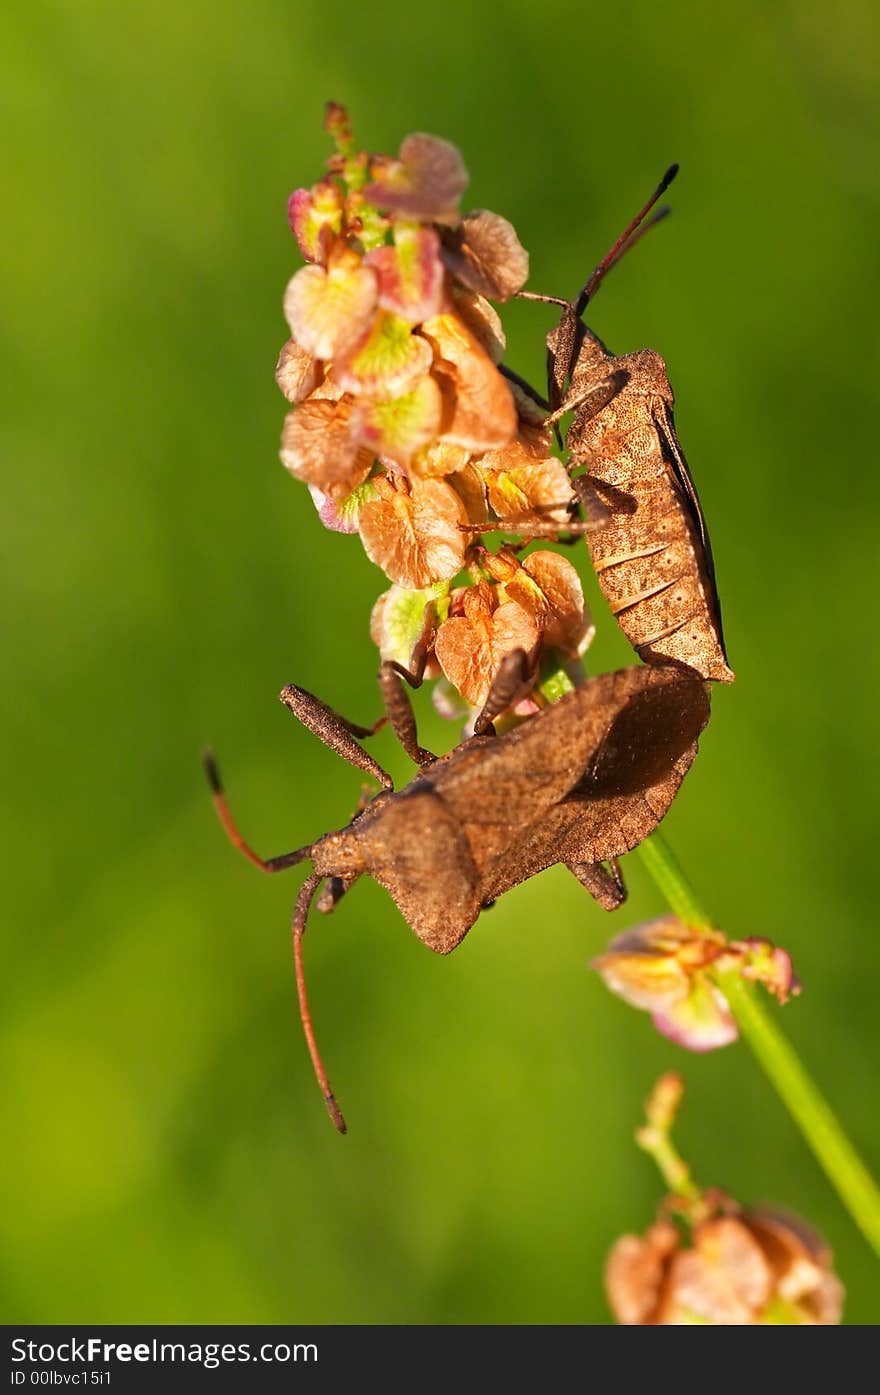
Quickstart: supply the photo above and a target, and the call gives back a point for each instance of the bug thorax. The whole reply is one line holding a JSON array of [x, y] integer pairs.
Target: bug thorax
[[648, 373]]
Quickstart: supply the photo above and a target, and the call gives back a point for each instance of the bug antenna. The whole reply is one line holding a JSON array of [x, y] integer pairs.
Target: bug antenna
[[300, 915], [626, 240], [230, 828], [657, 217]]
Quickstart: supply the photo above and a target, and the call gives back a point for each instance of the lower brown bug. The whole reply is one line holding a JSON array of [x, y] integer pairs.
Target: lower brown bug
[[580, 783]]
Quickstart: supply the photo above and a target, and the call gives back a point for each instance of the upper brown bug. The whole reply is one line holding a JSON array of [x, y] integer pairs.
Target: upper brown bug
[[648, 538], [580, 783]]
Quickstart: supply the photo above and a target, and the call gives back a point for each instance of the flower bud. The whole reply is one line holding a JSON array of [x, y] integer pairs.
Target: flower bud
[[743, 1268], [667, 968]]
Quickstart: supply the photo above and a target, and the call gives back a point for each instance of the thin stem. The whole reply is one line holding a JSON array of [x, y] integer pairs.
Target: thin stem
[[807, 1106], [661, 862], [655, 1138], [801, 1096]]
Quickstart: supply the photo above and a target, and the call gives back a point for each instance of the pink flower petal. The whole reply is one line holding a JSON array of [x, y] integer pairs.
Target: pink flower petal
[[395, 430], [485, 254], [659, 966], [410, 274], [769, 964], [448, 701], [701, 1021], [328, 311], [426, 182], [384, 362], [315, 217], [341, 515], [402, 620]]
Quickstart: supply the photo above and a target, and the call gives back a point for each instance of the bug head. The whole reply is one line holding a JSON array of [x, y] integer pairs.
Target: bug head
[[338, 854]]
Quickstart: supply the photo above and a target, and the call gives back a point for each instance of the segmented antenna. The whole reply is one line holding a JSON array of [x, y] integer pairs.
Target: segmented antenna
[[628, 238], [230, 828], [300, 915]]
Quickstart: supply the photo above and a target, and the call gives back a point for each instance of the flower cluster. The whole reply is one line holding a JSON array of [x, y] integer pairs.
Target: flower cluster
[[762, 1267], [403, 426], [670, 970], [757, 1267]]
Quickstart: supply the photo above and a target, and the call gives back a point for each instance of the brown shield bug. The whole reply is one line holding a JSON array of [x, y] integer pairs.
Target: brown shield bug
[[580, 783], [645, 528]]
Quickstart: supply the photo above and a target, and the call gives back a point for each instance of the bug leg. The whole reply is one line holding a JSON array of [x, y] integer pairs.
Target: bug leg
[[600, 498], [589, 401], [597, 510], [524, 385], [605, 887], [511, 678], [528, 526], [335, 731], [300, 914], [542, 299], [271, 864], [399, 707], [333, 892]]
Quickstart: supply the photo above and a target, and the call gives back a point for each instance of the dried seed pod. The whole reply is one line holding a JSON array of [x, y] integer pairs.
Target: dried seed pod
[[471, 647], [485, 254], [296, 373], [480, 413], [317, 445], [426, 181], [414, 532], [527, 484], [722, 1266], [330, 310]]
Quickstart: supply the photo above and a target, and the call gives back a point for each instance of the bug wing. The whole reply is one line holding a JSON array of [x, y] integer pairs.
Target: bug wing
[[648, 735], [674, 458], [647, 744], [636, 773], [417, 851], [513, 779]]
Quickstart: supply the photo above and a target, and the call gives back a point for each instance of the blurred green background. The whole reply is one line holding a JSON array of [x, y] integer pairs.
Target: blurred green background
[[167, 1154]]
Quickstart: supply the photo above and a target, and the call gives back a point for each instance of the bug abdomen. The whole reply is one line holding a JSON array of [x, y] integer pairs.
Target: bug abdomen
[[650, 557]]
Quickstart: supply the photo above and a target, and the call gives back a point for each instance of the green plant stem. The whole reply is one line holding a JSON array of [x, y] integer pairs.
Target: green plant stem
[[661, 862], [778, 1058], [655, 1137], [669, 1162]]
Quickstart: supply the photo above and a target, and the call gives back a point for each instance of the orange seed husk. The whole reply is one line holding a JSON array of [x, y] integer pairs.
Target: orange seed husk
[[470, 647], [330, 310], [413, 531]]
